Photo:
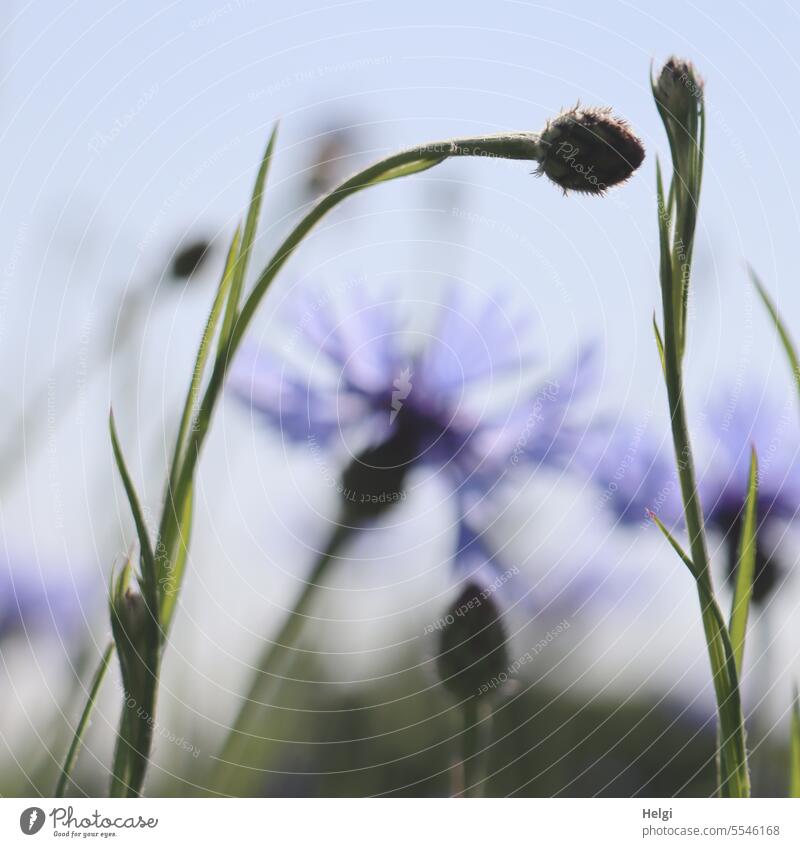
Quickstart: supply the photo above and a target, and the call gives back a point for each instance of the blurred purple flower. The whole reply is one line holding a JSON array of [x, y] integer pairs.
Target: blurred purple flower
[[465, 396], [32, 604], [638, 475]]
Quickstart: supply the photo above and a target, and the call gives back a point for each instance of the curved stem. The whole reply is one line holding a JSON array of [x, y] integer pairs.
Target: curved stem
[[407, 162]]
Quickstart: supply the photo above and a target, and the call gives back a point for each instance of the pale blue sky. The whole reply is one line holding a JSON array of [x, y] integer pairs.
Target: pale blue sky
[[123, 126]]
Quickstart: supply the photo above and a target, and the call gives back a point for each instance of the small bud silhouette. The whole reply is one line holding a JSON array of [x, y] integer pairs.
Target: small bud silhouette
[[375, 479], [473, 655], [589, 150], [189, 258]]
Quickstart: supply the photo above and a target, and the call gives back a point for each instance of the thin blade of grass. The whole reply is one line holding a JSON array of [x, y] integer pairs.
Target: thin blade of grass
[[783, 332], [746, 567], [77, 739]]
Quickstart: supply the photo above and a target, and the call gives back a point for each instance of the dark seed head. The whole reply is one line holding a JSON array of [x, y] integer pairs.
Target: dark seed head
[[473, 653], [589, 150]]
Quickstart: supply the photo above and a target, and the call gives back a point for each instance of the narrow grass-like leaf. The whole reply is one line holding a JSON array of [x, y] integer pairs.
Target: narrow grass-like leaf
[[745, 570], [407, 169], [176, 516], [77, 739], [149, 575], [794, 751], [783, 332], [120, 768], [172, 580], [660, 345], [735, 779], [665, 253], [248, 236], [203, 354], [674, 543]]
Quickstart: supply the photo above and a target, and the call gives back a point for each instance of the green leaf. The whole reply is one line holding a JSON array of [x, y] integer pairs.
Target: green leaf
[[250, 227], [172, 580], [417, 166], [77, 739], [176, 516], [735, 778], [665, 252], [660, 345], [794, 767], [674, 544], [783, 332], [203, 354], [746, 567], [149, 576]]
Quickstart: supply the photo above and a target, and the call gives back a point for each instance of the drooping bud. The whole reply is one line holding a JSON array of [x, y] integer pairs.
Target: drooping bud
[[473, 653], [589, 150]]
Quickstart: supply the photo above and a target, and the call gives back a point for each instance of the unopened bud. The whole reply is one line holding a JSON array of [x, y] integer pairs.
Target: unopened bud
[[473, 654], [589, 150], [678, 88]]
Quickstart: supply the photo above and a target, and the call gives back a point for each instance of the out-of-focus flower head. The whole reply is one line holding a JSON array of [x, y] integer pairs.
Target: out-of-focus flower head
[[462, 394], [638, 474], [32, 604]]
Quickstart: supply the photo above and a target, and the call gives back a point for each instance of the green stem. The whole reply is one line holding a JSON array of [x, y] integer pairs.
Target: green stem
[[732, 769], [243, 750], [477, 722], [77, 739]]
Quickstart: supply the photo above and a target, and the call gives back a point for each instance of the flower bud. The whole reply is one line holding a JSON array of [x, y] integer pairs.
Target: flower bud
[[130, 622], [589, 150], [678, 88], [189, 258], [375, 479], [473, 656]]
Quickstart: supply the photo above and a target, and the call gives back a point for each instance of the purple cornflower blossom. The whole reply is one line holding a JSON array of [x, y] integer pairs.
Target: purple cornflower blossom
[[465, 397], [638, 475]]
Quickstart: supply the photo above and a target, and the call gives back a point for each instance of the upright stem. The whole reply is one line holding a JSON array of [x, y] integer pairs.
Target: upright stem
[[477, 721], [733, 778], [242, 753]]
